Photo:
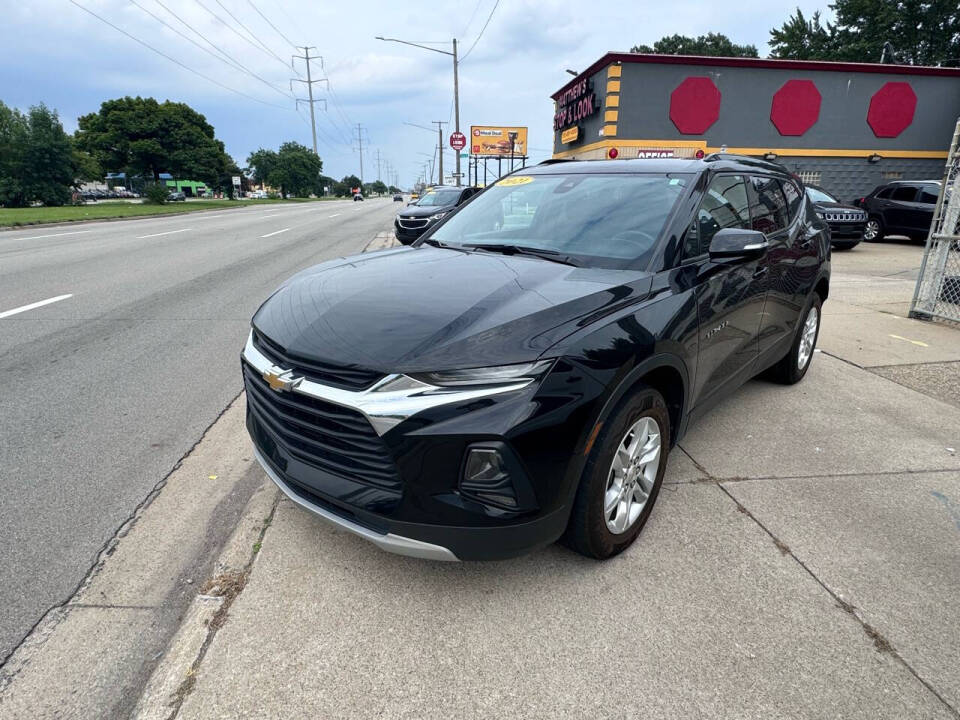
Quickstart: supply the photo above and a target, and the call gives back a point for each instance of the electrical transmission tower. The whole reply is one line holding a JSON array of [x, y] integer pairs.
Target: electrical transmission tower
[[309, 83], [360, 144]]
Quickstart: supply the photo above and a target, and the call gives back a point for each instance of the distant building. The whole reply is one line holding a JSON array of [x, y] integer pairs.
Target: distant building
[[845, 126]]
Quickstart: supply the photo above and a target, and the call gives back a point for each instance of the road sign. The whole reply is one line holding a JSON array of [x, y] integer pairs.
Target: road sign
[[236, 180], [458, 141]]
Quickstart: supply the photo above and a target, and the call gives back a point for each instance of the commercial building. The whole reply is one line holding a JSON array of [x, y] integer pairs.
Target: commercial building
[[845, 126]]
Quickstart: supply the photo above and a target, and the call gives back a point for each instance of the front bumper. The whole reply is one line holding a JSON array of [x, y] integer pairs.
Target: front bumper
[[846, 232], [411, 504]]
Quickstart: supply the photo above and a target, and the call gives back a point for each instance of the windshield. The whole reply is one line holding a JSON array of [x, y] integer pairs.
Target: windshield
[[819, 195], [439, 198], [601, 220]]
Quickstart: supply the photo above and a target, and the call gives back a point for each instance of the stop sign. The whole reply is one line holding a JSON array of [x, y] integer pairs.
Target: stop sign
[[458, 141]]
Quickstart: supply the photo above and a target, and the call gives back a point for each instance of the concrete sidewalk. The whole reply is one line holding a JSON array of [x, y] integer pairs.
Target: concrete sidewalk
[[801, 562]]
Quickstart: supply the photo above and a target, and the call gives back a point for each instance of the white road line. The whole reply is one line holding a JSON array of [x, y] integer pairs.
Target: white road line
[[271, 215], [277, 232], [169, 232], [31, 306], [334, 215], [37, 237]]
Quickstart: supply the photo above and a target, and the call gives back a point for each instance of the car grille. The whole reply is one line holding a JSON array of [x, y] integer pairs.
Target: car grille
[[852, 216], [346, 377], [329, 437], [413, 223]]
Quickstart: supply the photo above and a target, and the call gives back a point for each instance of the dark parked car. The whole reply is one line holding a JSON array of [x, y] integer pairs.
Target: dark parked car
[[397, 197], [433, 206], [521, 373], [901, 207], [846, 221]]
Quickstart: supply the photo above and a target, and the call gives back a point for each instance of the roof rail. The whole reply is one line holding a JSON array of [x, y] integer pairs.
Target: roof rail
[[744, 159], [554, 161]]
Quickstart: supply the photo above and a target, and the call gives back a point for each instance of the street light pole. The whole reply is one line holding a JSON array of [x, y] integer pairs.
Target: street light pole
[[456, 86]]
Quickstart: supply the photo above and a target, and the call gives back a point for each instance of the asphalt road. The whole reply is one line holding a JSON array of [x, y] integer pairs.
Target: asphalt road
[[103, 391]]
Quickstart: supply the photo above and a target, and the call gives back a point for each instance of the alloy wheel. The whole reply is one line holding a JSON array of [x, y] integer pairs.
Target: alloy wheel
[[633, 472], [872, 230], [808, 338]]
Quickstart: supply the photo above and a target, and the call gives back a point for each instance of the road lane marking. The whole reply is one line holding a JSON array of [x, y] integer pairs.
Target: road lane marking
[[31, 306], [169, 232], [334, 215], [37, 237], [271, 215], [915, 342], [277, 232]]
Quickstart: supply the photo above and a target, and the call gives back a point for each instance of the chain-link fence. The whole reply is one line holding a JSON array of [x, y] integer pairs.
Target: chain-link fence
[[938, 287]]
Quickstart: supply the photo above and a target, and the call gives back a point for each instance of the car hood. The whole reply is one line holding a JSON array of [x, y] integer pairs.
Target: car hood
[[417, 211], [834, 207], [426, 308]]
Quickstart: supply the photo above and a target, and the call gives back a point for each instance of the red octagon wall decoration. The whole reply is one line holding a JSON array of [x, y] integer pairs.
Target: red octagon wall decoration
[[694, 105], [891, 109], [795, 107]]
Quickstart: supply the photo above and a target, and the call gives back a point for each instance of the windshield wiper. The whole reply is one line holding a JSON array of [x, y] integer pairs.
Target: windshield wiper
[[542, 253], [435, 243]]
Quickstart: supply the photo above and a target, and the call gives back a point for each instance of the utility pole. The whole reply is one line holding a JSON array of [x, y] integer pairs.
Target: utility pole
[[360, 143], [456, 103], [440, 124], [309, 83], [378, 164]]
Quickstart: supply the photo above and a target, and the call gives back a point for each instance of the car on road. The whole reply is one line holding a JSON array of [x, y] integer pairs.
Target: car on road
[[176, 197], [846, 222], [433, 206], [901, 207], [358, 197], [520, 373], [397, 197]]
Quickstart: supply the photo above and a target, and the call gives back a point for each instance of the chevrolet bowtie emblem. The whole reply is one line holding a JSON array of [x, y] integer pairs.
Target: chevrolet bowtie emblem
[[280, 380]]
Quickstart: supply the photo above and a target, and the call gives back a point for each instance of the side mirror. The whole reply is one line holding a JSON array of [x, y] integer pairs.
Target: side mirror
[[736, 243]]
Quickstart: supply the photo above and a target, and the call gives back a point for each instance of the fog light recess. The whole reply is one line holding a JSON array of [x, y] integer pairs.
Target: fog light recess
[[486, 478]]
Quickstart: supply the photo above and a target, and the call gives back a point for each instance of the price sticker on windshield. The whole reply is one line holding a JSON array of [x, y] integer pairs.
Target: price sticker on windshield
[[518, 180]]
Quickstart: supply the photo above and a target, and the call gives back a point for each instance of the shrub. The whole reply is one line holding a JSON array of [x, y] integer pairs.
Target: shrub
[[155, 194]]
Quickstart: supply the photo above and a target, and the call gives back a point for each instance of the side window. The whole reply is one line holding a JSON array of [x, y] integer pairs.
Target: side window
[[886, 192], [928, 194], [794, 199], [768, 206], [904, 193], [724, 205]]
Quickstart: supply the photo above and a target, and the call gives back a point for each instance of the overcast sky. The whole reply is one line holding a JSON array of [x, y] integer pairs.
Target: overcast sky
[[56, 53]]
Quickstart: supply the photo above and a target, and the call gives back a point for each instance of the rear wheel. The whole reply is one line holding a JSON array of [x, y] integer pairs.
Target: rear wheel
[[873, 230], [622, 478], [794, 365]]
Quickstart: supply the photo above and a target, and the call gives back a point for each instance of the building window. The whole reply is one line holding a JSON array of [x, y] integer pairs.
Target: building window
[[891, 175], [810, 177]]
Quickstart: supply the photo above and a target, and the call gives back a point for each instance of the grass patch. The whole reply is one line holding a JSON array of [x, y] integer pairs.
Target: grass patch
[[14, 217]]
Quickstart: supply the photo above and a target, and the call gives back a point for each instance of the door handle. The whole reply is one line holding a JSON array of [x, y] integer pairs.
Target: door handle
[[760, 271]]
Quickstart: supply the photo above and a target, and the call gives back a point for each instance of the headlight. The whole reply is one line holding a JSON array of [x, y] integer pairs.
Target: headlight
[[497, 375], [819, 214], [437, 216]]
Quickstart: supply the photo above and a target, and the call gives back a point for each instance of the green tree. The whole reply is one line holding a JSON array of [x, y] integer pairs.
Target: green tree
[[712, 44], [345, 187], [802, 39], [262, 163], [922, 32], [141, 136], [36, 158], [378, 187], [298, 168]]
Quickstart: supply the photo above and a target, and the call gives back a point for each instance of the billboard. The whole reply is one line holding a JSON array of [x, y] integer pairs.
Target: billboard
[[494, 140]]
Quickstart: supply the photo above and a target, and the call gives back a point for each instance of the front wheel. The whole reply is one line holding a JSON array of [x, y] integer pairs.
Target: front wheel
[[873, 230], [622, 478], [794, 365]]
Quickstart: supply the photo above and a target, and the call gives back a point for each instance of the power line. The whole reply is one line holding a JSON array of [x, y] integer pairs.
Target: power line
[[239, 34], [233, 64], [174, 60], [489, 17], [198, 33], [275, 28], [472, 15], [248, 30]]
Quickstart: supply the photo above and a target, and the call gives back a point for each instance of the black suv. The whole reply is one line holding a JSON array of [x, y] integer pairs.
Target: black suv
[[846, 222], [900, 208], [521, 373], [433, 205]]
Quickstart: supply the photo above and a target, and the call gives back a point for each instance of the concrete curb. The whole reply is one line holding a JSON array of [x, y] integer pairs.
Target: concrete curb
[[173, 678]]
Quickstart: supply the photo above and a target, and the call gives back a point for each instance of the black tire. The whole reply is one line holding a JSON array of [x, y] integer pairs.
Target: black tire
[[868, 231], [788, 370], [587, 531], [848, 245]]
